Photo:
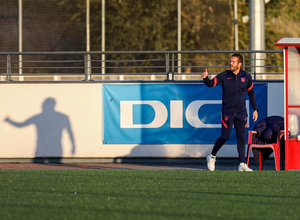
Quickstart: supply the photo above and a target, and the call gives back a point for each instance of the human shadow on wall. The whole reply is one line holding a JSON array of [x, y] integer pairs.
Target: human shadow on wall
[[50, 125]]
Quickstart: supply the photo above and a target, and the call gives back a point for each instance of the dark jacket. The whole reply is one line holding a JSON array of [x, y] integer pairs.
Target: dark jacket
[[234, 89], [267, 131]]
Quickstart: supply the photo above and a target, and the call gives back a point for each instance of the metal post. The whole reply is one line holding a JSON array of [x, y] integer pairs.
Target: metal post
[[254, 66], [8, 68], [88, 43], [173, 68], [167, 66], [87, 67], [257, 32], [236, 30], [103, 37], [179, 34], [87, 25], [244, 62], [90, 66], [21, 78]]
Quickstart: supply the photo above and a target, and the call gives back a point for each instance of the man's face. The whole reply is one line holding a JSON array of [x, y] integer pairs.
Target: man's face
[[234, 64]]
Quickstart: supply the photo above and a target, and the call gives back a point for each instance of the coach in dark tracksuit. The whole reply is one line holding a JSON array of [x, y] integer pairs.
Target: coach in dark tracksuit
[[235, 84]]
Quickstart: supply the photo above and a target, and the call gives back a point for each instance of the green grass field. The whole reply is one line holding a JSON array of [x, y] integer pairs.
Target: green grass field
[[149, 194]]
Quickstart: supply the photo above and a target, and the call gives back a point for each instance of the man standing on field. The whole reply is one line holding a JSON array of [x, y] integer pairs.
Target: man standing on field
[[235, 84]]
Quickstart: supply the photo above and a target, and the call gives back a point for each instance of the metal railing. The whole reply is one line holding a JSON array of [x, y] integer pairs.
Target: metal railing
[[130, 66]]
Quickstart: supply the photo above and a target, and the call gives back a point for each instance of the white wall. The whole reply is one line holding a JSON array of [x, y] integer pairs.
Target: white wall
[[81, 104]]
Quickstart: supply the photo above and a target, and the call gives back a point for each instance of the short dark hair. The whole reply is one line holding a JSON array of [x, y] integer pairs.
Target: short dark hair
[[239, 56]]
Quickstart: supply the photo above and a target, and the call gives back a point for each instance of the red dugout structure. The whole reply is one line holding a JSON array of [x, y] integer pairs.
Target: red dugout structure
[[291, 100]]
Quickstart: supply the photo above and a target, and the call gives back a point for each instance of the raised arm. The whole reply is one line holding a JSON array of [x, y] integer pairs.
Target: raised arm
[[211, 82], [19, 124]]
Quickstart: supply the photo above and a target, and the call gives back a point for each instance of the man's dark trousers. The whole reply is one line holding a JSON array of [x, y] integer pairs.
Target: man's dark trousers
[[240, 124]]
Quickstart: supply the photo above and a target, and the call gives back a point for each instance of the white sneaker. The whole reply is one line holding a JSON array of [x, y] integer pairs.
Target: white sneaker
[[211, 162], [244, 167]]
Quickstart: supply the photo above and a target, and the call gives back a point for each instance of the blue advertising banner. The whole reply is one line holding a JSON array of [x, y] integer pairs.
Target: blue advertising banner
[[168, 113]]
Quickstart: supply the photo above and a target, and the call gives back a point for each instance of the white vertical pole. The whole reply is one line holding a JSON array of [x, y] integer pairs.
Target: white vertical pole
[[88, 25], [179, 34], [257, 33], [103, 37], [236, 30], [21, 78], [88, 44]]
